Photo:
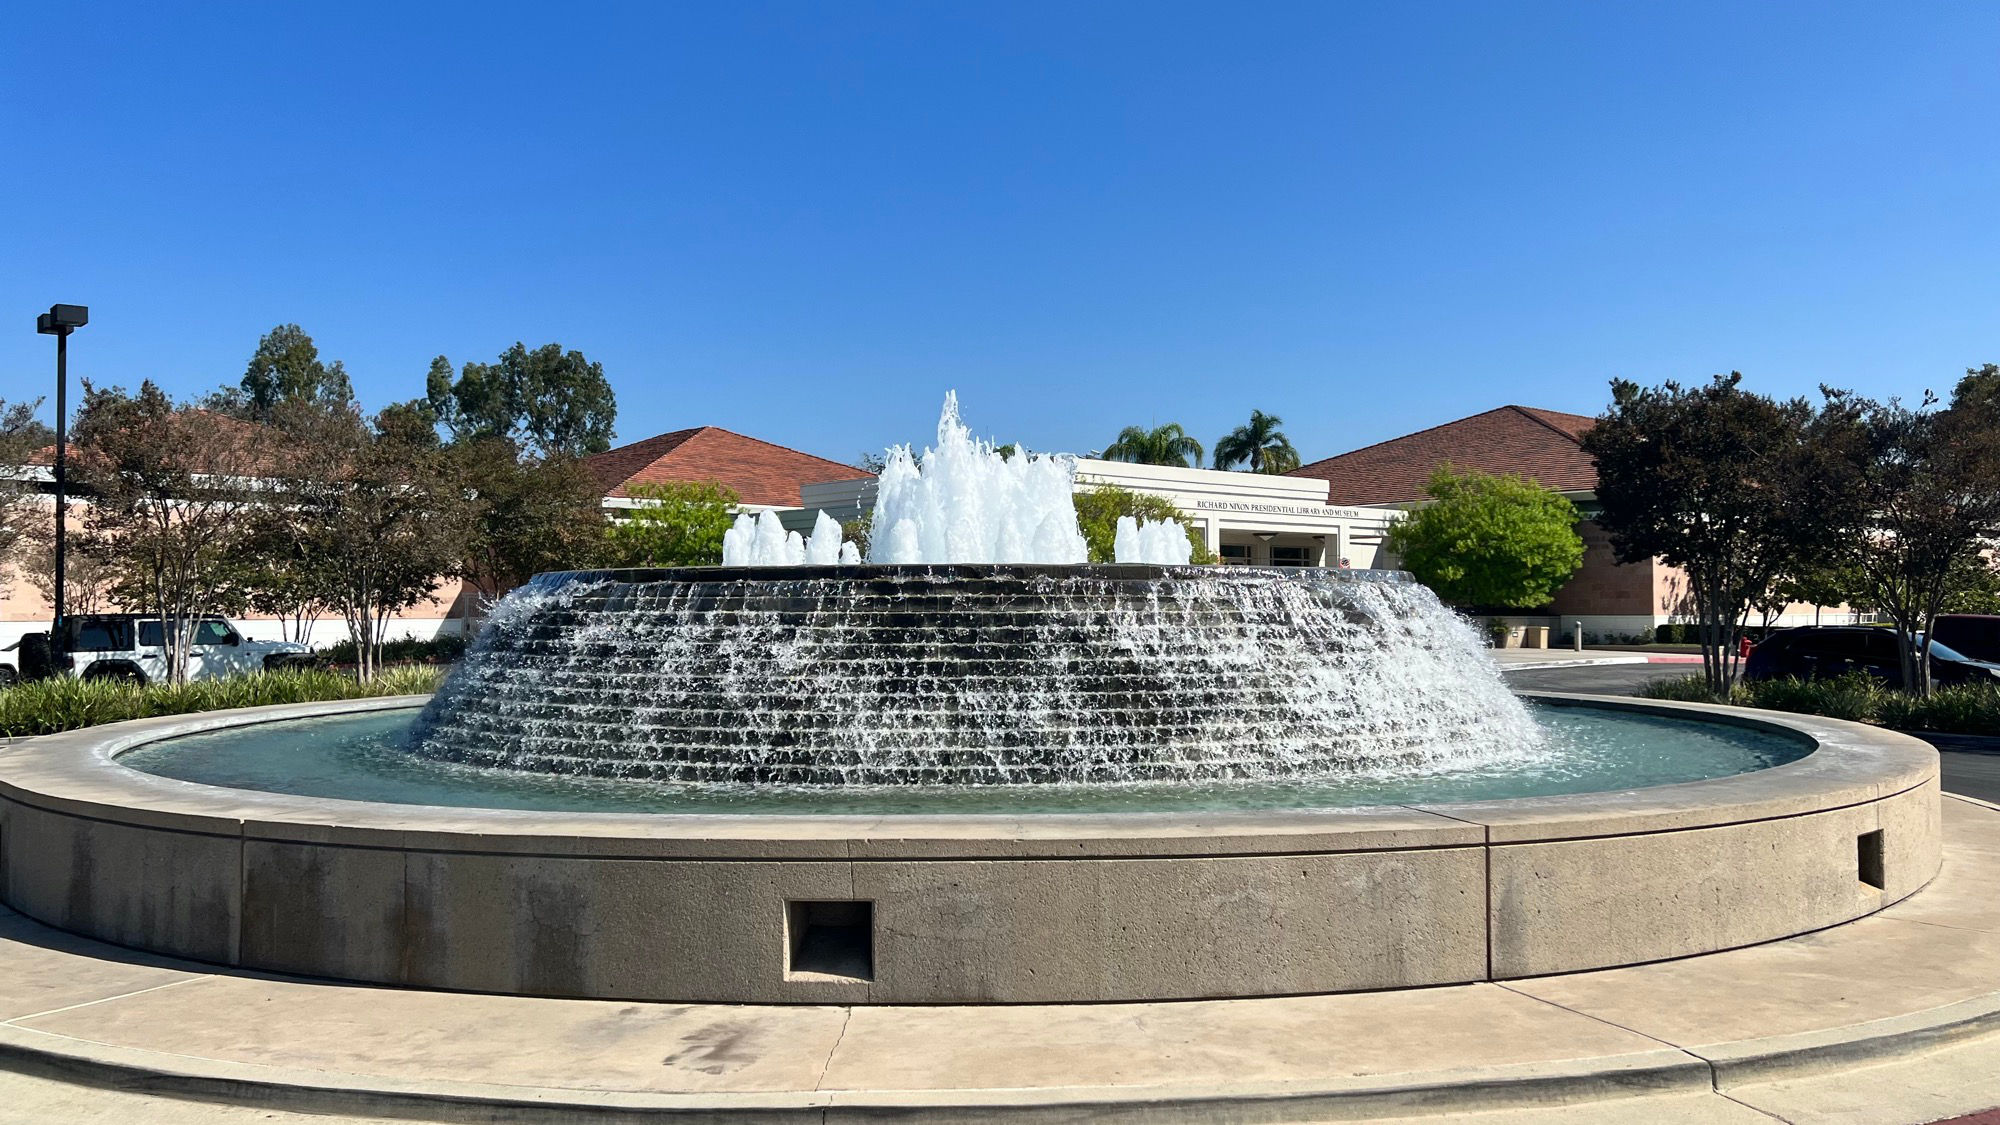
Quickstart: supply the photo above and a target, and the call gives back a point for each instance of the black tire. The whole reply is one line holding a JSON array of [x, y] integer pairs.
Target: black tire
[[118, 671], [8, 676]]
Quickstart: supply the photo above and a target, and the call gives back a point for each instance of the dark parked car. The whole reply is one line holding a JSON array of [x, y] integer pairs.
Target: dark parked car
[[1975, 634], [1825, 652]]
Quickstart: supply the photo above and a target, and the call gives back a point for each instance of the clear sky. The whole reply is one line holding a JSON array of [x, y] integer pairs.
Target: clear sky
[[807, 221]]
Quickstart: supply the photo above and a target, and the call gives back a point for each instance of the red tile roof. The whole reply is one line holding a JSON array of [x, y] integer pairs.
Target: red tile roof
[[1541, 445], [759, 472]]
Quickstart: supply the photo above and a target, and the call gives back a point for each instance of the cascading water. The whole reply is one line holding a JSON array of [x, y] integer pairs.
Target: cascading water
[[975, 648], [975, 675]]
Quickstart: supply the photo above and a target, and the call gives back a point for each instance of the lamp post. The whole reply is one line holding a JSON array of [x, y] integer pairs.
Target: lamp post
[[59, 322]]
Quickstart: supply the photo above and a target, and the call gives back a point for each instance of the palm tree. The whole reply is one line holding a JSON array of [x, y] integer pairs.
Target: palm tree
[[1161, 445], [1261, 443]]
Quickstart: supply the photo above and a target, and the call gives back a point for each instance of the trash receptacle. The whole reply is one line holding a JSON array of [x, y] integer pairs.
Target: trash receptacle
[[1535, 636]]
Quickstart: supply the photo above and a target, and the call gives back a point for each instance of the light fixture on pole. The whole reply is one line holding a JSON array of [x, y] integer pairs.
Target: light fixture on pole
[[59, 322]]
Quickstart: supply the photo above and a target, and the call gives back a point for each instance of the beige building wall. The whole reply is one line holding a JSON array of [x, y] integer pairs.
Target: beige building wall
[[1259, 514], [23, 609]]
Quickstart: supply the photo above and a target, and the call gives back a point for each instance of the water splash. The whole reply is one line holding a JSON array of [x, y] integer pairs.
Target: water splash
[[763, 541], [977, 675], [962, 502], [1158, 542]]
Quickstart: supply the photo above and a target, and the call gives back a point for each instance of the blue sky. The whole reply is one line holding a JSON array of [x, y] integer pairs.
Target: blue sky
[[806, 222]]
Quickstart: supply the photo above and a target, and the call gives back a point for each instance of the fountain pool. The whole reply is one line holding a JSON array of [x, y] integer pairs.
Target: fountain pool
[[366, 758]]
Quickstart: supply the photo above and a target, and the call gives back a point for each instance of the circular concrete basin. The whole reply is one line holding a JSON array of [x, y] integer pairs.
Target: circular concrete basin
[[961, 909]]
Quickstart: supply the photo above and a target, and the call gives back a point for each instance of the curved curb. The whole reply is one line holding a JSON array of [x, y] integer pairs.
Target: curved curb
[[1653, 1072], [1668, 1070]]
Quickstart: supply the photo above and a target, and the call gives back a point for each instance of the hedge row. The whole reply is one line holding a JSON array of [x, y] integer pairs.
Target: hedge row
[[64, 703], [437, 650], [1961, 709]]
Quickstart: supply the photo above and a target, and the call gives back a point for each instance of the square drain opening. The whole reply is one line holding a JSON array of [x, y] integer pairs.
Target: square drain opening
[[830, 939], [1868, 858]]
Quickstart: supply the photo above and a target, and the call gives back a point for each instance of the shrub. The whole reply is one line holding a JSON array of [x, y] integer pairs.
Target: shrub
[[63, 703], [1490, 540], [1855, 696], [1098, 509], [1680, 689], [1959, 709], [679, 523], [442, 649]]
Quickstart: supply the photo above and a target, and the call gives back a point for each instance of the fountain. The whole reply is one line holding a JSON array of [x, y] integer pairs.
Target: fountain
[[974, 768], [974, 649]]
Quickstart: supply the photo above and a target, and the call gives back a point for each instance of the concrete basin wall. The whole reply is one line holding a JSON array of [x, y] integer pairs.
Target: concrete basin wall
[[961, 909]]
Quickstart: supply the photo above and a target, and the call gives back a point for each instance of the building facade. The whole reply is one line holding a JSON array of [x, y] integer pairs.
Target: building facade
[[1611, 600], [1249, 519]]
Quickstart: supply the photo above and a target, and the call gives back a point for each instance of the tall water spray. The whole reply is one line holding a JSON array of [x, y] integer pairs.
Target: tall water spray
[[960, 501], [963, 502]]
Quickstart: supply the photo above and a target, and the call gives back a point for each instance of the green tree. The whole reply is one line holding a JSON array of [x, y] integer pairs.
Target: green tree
[[1828, 581], [1930, 497], [1734, 488], [383, 516], [1161, 445], [21, 437], [1490, 540], [676, 524], [548, 401], [1260, 443], [173, 489], [1098, 509], [859, 531], [529, 516], [1974, 586], [286, 368]]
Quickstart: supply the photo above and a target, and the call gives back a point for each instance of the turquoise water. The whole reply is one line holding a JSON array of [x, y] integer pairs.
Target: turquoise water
[[362, 757]]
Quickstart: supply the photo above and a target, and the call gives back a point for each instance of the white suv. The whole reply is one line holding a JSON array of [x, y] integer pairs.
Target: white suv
[[130, 646]]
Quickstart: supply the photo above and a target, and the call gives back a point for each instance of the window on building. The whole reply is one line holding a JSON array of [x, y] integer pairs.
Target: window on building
[[1291, 556], [1236, 554]]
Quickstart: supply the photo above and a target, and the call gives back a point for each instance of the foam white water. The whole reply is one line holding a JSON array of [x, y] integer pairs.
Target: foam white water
[[762, 540], [1156, 542], [962, 502]]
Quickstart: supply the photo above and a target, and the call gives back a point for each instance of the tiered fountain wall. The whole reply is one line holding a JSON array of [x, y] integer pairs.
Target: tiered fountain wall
[[974, 675]]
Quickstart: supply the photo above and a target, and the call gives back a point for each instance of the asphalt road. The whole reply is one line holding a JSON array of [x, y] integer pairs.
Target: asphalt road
[[1971, 762]]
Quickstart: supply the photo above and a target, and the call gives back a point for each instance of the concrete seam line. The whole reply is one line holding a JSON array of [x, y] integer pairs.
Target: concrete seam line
[[1599, 1019], [1752, 1108], [105, 1000], [1939, 925]]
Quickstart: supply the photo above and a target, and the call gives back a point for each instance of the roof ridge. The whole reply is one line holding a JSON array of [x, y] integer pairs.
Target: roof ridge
[[1534, 414], [1401, 437], [786, 448], [689, 430]]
